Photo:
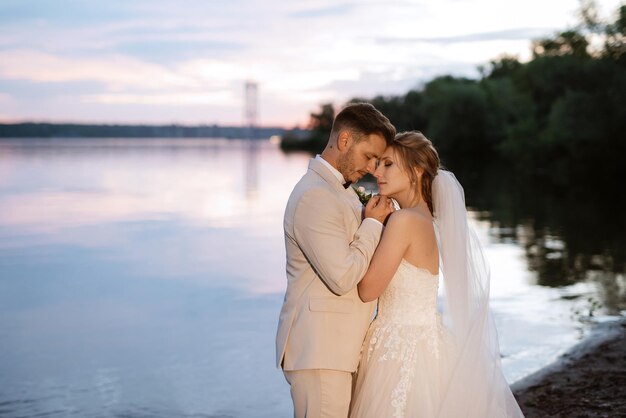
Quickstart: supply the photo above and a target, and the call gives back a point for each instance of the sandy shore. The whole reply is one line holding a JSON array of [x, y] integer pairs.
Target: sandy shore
[[587, 381]]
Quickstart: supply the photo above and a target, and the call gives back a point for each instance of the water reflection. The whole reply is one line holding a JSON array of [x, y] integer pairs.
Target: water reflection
[[570, 235], [144, 277], [141, 277], [251, 166]]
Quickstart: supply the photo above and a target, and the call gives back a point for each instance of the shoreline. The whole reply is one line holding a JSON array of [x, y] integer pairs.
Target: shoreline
[[589, 380]]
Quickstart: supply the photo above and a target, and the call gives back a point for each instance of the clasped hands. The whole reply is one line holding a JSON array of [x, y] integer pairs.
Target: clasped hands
[[379, 207]]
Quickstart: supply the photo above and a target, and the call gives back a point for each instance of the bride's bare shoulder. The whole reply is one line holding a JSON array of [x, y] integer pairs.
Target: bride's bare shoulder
[[409, 218], [412, 223]]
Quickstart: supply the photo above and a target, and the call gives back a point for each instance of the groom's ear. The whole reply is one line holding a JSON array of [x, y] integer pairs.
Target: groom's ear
[[343, 140]]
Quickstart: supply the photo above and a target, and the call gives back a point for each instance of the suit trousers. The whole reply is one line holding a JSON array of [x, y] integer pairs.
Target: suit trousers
[[319, 393]]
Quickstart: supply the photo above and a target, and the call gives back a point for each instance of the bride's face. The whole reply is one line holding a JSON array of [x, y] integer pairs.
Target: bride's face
[[391, 177]]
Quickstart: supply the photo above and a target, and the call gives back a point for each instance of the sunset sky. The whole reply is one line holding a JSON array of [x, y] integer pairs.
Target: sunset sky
[[164, 61]]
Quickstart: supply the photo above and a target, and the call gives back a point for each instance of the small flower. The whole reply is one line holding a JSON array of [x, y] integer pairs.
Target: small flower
[[364, 196]]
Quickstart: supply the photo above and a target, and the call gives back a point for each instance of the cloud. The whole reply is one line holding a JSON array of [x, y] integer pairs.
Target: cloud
[[114, 57], [171, 51], [503, 35], [168, 99], [30, 88], [331, 10], [120, 79], [116, 71], [71, 12]]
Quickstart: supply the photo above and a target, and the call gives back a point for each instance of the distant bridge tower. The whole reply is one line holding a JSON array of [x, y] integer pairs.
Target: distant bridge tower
[[251, 106], [252, 153]]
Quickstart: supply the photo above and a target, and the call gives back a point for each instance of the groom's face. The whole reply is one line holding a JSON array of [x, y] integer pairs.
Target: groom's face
[[361, 156]]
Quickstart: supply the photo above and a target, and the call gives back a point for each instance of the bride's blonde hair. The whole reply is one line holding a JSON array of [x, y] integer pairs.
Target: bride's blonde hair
[[415, 150]]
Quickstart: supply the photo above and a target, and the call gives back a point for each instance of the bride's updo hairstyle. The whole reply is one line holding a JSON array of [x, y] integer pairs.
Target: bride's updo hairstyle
[[415, 150]]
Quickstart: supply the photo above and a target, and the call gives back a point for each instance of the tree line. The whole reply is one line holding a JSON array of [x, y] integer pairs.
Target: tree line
[[562, 114]]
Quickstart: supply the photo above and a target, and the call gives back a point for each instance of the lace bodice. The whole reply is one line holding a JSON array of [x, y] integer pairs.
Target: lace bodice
[[410, 297], [407, 317]]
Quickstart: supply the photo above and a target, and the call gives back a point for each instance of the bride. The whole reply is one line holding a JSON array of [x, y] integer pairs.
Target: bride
[[416, 362]]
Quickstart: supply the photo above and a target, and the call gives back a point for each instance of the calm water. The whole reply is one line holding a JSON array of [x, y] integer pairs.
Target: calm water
[[143, 278]]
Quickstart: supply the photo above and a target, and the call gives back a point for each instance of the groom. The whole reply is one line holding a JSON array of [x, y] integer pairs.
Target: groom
[[323, 322]]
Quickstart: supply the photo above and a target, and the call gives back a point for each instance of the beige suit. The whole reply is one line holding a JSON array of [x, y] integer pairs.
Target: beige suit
[[323, 322]]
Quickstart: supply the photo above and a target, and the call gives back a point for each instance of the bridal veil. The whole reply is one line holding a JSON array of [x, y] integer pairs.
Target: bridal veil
[[475, 385]]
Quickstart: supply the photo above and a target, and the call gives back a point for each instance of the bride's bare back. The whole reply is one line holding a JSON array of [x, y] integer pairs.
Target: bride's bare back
[[422, 250], [409, 235]]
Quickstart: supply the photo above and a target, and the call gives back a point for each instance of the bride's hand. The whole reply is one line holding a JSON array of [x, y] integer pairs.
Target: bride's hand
[[379, 208]]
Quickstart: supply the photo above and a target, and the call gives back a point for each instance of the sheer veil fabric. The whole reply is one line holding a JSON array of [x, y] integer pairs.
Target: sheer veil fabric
[[475, 385]]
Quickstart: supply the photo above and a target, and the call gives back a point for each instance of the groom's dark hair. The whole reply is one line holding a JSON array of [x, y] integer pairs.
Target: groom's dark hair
[[363, 119]]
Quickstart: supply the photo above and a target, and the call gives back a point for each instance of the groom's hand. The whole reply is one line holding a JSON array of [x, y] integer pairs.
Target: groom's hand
[[379, 208]]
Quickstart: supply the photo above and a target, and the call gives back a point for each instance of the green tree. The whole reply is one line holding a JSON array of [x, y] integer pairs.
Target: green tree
[[321, 123], [587, 126], [568, 43], [503, 67], [615, 41], [413, 117], [404, 112]]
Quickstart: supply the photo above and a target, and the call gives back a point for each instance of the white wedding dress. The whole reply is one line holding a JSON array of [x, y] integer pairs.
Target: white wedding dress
[[402, 369], [418, 363]]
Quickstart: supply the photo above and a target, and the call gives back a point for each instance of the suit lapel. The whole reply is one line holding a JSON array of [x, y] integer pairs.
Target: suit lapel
[[357, 206], [349, 194]]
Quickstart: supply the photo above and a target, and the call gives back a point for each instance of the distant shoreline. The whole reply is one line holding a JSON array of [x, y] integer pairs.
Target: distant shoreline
[[588, 380], [76, 130]]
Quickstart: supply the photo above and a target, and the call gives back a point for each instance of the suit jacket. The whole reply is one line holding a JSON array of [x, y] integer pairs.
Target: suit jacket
[[323, 322]]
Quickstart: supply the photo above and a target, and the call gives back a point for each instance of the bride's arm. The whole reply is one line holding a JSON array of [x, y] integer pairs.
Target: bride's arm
[[394, 242]]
